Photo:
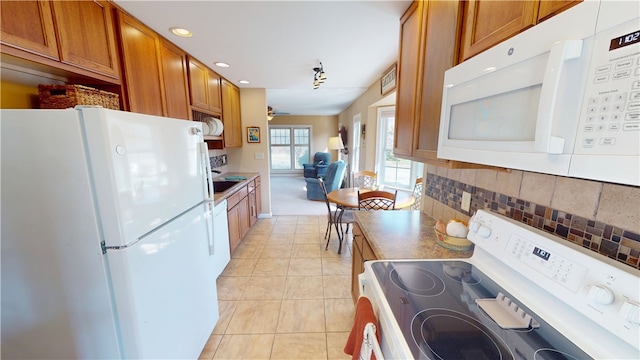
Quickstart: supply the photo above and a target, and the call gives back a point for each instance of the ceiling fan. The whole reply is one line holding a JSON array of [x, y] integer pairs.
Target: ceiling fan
[[271, 113]]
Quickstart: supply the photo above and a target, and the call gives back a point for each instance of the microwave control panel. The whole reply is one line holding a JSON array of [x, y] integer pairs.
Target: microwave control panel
[[610, 118]]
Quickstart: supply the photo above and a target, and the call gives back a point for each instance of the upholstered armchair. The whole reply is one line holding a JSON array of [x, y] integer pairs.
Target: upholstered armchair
[[319, 166], [332, 181]]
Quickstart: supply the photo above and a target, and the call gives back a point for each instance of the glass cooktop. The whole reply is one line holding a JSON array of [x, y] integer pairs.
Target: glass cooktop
[[434, 305]]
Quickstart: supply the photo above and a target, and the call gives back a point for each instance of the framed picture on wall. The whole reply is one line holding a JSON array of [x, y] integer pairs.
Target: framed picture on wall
[[388, 80], [253, 134]]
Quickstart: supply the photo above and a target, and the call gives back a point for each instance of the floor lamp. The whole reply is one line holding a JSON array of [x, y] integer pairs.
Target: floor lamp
[[335, 143]]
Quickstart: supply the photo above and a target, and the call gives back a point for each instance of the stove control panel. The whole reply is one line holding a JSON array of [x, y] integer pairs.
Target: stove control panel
[[561, 276], [557, 268]]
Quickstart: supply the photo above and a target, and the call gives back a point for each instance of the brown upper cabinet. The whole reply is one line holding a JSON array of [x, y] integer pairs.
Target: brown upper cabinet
[[204, 85], [79, 34], [428, 47], [488, 23], [155, 71], [231, 116]]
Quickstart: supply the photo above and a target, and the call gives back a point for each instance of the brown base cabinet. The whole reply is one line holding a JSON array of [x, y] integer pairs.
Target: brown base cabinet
[[362, 252], [243, 207]]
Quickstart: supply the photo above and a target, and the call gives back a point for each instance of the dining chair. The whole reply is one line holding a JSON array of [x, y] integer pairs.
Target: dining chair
[[364, 179], [377, 200], [417, 194], [337, 218]]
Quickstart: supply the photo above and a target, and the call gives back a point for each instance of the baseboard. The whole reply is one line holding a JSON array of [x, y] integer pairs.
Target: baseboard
[[264, 216]]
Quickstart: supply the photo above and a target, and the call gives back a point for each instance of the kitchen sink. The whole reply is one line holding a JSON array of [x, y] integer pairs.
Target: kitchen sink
[[221, 186]]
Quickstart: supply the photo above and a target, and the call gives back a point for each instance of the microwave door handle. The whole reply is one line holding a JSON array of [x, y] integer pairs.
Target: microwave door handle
[[560, 52]]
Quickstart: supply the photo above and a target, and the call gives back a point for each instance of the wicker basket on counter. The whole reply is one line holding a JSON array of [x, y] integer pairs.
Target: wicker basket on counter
[[67, 96]]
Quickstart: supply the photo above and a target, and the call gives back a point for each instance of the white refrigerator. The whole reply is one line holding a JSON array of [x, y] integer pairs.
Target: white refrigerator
[[107, 236]]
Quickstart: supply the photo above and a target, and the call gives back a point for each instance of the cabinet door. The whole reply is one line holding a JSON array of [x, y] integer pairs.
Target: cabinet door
[[198, 85], [176, 85], [213, 91], [87, 40], [244, 216], [440, 50], [357, 266], [233, 220], [408, 75], [258, 198], [141, 67], [489, 22], [231, 115], [253, 214], [550, 8], [28, 26]]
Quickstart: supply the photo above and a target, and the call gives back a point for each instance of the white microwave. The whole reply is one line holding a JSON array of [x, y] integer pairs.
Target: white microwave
[[560, 98]]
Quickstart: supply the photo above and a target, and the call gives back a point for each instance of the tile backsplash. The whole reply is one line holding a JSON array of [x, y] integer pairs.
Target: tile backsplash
[[587, 213]]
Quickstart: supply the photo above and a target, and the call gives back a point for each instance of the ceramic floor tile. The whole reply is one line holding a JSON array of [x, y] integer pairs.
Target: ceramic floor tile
[[284, 229], [309, 346], [210, 348], [276, 251], [226, 310], [307, 228], [335, 345], [306, 238], [305, 266], [240, 267], [245, 347], [248, 250], [339, 314], [301, 316], [264, 288], [303, 287], [337, 286], [286, 220], [280, 238], [306, 251], [336, 266], [231, 287], [271, 267], [255, 317]]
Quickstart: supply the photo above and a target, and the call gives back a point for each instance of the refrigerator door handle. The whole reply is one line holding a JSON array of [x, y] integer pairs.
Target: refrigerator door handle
[[208, 189]]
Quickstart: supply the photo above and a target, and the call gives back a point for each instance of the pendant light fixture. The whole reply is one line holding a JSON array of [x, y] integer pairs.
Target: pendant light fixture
[[319, 77]]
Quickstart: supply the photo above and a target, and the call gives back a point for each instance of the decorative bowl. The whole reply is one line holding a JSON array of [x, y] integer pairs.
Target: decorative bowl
[[453, 243]]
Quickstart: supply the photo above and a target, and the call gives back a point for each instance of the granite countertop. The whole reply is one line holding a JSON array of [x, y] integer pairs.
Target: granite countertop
[[403, 234], [217, 197]]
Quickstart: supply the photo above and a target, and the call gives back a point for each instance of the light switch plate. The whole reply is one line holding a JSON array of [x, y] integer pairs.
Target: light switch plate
[[466, 201], [258, 156]]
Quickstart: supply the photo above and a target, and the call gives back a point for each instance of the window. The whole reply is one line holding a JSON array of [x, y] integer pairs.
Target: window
[[393, 171], [289, 147]]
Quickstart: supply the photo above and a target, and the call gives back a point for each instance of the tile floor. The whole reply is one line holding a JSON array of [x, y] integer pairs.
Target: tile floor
[[283, 296]]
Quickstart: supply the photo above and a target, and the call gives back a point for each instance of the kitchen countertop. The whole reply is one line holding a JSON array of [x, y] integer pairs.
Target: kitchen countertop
[[403, 234], [217, 197]]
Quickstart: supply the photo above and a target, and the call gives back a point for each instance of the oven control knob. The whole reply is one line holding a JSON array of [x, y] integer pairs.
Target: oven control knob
[[601, 295], [630, 311], [478, 228]]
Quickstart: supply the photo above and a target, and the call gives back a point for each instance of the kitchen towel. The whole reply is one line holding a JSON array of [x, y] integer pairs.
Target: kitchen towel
[[234, 178], [364, 315]]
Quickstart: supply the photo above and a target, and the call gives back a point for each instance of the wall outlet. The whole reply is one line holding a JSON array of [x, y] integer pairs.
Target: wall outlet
[[466, 201]]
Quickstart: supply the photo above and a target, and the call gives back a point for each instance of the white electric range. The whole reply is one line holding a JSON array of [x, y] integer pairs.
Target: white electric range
[[524, 294]]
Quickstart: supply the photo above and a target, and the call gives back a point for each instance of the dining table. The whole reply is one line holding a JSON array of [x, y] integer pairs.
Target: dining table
[[348, 198]]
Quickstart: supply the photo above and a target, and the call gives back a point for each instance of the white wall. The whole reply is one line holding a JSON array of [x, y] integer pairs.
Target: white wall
[[253, 110]]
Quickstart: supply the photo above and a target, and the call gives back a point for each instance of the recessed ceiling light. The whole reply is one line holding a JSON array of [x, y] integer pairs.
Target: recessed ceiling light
[[221, 64], [181, 32], [243, 81]]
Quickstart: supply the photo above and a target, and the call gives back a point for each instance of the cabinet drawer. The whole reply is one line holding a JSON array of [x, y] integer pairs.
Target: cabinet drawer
[[236, 197], [252, 185], [257, 181]]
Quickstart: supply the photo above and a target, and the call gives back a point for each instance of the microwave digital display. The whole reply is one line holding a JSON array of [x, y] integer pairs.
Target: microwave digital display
[[625, 40]]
